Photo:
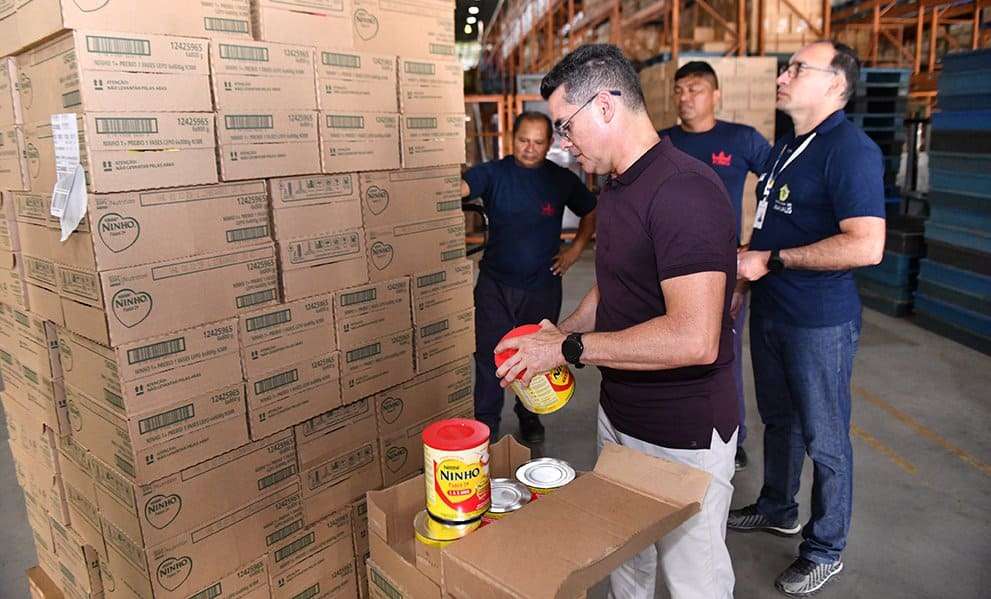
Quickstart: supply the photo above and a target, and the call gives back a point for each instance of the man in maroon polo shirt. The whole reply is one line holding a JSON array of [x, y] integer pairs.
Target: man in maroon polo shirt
[[657, 322]]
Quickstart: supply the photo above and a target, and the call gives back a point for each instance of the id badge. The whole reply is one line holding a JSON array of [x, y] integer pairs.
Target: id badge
[[761, 212]]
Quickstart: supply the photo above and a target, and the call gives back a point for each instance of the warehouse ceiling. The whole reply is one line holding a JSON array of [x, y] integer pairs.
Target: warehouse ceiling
[[465, 12]]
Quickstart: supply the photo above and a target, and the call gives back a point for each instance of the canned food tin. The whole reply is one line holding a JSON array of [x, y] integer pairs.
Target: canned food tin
[[456, 470], [432, 533], [545, 475], [507, 496], [547, 392]]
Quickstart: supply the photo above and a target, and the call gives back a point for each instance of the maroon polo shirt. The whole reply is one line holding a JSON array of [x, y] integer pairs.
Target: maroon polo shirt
[[667, 216]]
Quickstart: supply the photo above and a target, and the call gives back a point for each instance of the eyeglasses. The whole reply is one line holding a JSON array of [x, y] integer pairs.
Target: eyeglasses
[[794, 69], [564, 128]]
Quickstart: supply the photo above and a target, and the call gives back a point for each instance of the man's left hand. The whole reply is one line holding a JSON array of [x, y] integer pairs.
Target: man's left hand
[[565, 259], [751, 265], [535, 354]]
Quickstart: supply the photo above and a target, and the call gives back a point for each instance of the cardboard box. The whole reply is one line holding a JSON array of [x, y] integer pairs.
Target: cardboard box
[[13, 287], [278, 399], [97, 71], [123, 151], [14, 174], [358, 141], [359, 527], [250, 76], [267, 143], [32, 208], [403, 249], [404, 411], [37, 345], [433, 139], [394, 197], [430, 86], [42, 397], [654, 497], [246, 161], [41, 586], [322, 264], [338, 459], [8, 224], [444, 340], [152, 226], [81, 562], [365, 313], [147, 376], [444, 290], [311, 22], [357, 81], [418, 28], [385, 362], [311, 205], [317, 563], [285, 334], [247, 582], [150, 300], [154, 512], [151, 445], [10, 100], [40, 19], [45, 303], [198, 558]]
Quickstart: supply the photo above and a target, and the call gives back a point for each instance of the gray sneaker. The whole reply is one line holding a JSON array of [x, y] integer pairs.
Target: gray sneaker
[[805, 577], [748, 519]]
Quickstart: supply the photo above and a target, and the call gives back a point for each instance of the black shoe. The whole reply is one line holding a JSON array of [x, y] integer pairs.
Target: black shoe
[[748, 519], [805, 577], [741, 458], [530, 428]]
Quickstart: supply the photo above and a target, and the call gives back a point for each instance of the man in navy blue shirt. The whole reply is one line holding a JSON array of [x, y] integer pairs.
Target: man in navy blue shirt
[[519, 280], [733, 151], [820, 214]]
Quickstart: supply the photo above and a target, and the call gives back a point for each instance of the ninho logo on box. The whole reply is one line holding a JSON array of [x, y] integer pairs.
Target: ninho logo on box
[[174, 571], [131, 307], [162, 510]]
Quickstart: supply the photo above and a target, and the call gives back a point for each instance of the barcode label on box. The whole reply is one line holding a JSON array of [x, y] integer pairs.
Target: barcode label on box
[[235, 52], [113, 399], [276, 477], [297, 545], [274, 382], [72, 99], [156, 350], [443, 50], [420, 68], [249, 121], [309, 593], [225, 25], [452, 255], [283, 533], [117, 45], [209, 593], [421, 122], [431, 279], [265, 321], [247, 233], [120, 126], [459, 395], [253, 299], [334, 59], [363, 353], [124, 466], [358, 297], [174, 416], [336, 121], [449, 206]]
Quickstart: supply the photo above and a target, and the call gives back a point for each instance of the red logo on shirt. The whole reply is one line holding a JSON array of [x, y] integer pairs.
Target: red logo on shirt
[[722, 159], [547, 209]]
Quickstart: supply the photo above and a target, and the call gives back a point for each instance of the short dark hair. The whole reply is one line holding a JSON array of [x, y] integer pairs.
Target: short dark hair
[[697, 68], [593, 68], [533, 115], [845, 61]]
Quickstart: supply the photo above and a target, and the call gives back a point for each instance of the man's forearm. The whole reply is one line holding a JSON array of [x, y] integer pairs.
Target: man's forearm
[[839, 252], [661, 343], [586, 229], [582, 320]]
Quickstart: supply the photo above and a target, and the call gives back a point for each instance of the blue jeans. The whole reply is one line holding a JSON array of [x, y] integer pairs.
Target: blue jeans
[[738, 323], [802, 376]]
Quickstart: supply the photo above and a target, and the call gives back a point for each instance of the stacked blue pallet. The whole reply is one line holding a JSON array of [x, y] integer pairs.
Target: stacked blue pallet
[[879, 106], [889, 287], [954, 290]]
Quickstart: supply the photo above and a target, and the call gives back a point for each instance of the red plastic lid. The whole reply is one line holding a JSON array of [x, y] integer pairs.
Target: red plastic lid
[[521, 331], [456, 434]]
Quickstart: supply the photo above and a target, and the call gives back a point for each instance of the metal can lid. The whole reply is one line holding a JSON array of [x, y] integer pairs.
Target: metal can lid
[[508, 495], [456, 434], [545, 473], [432, 532]]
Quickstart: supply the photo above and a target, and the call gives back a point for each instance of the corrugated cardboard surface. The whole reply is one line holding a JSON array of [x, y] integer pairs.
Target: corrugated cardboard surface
[[432, 139], [423, 28], [293, 393], [286, 333], [323, 263], [394, 197], [262, 75], [10, 100], [365, 313], [14, 173], [359, 141], [325, 23], [444, 339], [311, 205], [349, 81], [430, 86], [443, 290], [375, 366], [406, 248]]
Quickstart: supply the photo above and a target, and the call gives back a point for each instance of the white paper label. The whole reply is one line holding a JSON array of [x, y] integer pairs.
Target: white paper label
[[69, 195]]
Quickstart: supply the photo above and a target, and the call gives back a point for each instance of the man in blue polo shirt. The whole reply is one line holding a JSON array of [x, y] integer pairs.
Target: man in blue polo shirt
[[733, 151], [519, 279], [820, 214]]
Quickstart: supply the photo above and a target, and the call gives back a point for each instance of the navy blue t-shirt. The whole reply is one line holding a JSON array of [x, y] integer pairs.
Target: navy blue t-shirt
[[839, 175], [525, 207], [731, 149]]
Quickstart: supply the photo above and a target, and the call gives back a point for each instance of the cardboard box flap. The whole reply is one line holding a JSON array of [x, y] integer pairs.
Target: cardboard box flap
[[578, 535]]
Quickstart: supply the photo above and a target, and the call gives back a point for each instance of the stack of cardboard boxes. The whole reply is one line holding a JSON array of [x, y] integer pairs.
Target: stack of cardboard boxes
[[266, 301]]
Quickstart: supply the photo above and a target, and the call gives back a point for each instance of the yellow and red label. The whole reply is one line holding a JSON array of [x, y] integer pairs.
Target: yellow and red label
[[547, 392], [457, 483]]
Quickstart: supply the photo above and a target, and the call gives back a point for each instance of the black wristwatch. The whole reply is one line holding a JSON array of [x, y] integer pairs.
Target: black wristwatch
[[774, 263], [573, 349]]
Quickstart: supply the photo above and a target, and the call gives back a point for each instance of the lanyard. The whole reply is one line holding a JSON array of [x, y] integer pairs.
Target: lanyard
[[775, 173]]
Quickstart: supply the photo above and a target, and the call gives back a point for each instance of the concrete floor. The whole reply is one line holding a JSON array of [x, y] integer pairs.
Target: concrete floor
[[922, 513]]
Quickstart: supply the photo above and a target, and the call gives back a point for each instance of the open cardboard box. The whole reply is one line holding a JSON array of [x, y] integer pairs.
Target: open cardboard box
[[556, 547]]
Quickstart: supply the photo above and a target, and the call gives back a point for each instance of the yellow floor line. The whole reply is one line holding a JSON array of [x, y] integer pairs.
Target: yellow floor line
[[881, 448], [916, 426]]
